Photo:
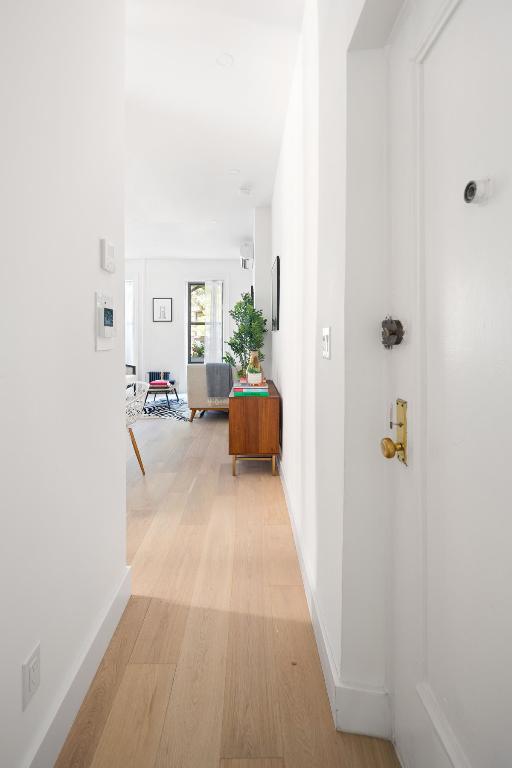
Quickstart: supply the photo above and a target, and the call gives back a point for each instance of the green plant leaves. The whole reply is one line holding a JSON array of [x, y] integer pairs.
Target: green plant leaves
[[249, 334]]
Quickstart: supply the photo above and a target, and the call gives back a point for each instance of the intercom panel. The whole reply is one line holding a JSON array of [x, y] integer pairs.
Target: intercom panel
[[105, 322]]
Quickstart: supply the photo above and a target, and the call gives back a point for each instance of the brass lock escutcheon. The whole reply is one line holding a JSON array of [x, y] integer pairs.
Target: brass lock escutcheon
[[389, 448]]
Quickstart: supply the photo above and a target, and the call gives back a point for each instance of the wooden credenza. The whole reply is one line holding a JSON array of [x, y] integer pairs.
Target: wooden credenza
[[254, 427]]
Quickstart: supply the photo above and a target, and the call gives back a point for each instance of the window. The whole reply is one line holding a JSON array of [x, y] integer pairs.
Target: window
[[196, 322]]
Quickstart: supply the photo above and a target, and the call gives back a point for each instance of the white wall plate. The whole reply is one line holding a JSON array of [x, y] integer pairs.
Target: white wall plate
[[107, 255], [326, 343]]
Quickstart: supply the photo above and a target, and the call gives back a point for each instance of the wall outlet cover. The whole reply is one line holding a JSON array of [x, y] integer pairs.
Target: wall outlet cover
[[31, 676], [326, 343]]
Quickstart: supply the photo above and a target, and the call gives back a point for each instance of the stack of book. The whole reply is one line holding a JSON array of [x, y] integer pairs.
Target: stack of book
[[242, 389]]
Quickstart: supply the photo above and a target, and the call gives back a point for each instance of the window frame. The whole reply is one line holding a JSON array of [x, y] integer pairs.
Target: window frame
[[190, 322]]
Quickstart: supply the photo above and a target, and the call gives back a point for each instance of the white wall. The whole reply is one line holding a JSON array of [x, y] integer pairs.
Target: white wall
[[330, 395], [164, 345], [334, 274], [312, 288], [288, 351], [262, 273], [62, 550], [366, 530]]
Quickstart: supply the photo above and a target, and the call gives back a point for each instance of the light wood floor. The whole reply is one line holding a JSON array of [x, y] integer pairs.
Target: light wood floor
[[214, 663]]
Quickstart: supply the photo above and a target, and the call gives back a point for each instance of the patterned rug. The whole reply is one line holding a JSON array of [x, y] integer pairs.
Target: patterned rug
[[158, 409]]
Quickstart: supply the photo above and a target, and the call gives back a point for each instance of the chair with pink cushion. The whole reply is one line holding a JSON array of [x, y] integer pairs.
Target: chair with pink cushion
[[161, 383]]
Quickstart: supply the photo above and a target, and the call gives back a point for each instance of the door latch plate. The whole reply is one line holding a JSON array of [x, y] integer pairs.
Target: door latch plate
[[401, 430]]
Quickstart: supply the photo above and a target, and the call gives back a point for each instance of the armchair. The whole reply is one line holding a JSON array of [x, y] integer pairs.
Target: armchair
[[197, 392]]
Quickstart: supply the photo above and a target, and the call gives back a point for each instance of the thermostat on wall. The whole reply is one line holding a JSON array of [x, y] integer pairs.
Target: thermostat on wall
[[108, 255], [105, 322]]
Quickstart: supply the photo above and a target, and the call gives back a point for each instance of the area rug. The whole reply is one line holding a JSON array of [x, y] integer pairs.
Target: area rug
[[158, 409]]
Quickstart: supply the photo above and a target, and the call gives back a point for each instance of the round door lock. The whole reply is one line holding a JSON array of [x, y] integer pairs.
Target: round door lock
[[392, 332], [389, 448]]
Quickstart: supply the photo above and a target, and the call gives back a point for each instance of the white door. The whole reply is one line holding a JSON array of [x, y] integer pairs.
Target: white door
[[450, 90]]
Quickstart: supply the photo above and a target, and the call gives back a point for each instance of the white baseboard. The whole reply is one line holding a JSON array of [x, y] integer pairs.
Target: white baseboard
[[354, 709], [362, 710], [62, 719], [441, 726]]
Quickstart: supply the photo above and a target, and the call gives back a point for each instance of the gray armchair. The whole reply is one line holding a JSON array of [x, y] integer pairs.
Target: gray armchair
[[197, 392]]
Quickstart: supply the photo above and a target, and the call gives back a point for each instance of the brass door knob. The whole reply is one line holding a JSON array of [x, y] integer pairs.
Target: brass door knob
[[389, 448]]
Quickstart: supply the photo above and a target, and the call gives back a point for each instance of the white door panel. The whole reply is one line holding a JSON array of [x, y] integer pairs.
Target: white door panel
[[456, 607]]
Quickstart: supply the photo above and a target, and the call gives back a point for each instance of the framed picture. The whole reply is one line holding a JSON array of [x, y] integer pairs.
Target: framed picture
[[162, 310], [276, 292]]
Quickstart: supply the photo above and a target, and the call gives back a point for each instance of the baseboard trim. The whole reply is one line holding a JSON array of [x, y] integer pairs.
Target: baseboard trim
[[354, 709], [57, 728], [441, 726], [362, 710]]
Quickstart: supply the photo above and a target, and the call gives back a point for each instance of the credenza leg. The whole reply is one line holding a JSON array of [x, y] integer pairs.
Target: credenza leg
[[274, 466], [233, 466]]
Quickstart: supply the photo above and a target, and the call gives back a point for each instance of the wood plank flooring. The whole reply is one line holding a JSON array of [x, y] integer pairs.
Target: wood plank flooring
[[214, 662]]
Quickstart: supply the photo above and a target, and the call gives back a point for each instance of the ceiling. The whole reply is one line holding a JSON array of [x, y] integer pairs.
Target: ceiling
[[207, 92]]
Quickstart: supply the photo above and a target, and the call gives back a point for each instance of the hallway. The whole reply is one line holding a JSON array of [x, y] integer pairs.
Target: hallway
[[214, 663]]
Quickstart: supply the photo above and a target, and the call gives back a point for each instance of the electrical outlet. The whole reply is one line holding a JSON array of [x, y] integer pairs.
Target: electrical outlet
[[31, 676]]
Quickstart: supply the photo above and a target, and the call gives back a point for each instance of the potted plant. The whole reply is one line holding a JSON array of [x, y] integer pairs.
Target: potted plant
[[248, 336], [254, 372]]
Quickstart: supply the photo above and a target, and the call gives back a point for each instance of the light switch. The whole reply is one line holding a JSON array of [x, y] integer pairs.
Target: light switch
[[108, 255], [326, 343]]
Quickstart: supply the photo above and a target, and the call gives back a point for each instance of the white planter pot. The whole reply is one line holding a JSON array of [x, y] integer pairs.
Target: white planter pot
[[254, 378]]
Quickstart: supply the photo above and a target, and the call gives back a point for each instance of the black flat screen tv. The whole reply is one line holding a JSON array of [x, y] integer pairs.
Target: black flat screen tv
[[276, 290]]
